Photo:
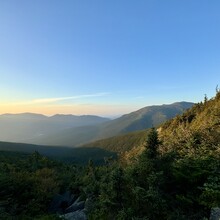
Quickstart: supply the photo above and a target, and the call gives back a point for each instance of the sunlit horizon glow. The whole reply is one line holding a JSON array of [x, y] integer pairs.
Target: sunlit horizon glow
[[100, 110], [106, 58], [81, 105], [50, 107]]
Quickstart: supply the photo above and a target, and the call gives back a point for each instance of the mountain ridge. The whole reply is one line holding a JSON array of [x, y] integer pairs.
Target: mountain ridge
[[138, 120], [25, 126]]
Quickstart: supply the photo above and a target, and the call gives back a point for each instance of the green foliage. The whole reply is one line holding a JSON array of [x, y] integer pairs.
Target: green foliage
[[120, 144], [210, 196], [28, 183], [152, 144]]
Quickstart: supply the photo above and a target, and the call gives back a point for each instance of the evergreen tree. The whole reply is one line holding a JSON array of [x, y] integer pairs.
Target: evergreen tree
[[152, 144]]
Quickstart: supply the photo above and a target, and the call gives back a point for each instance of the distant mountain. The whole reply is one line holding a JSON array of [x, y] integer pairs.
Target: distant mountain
[[26, 115], [138, 120], [144, 118], [26, 126]]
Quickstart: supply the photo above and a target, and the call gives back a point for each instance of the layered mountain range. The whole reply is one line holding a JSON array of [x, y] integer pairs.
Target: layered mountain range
[[71, 130], [27, 126]]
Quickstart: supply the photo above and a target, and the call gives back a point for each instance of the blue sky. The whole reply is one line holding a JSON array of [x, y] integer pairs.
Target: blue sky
[[106, 57]]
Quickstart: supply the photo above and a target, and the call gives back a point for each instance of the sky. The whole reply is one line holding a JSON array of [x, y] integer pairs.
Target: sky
[[106, 57]]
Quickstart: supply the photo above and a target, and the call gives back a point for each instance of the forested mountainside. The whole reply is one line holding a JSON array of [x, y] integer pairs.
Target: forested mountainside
[[141, 119], [121, 143], [174, 175], [198, 126], [194, 132]]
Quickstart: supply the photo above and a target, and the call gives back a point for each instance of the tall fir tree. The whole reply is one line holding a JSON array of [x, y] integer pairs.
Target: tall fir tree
[[152, 144]]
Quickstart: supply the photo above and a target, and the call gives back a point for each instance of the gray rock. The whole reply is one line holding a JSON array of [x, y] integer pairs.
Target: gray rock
[[77, 205], [215, 214], [77, 215], [61, 202], [69, 197]]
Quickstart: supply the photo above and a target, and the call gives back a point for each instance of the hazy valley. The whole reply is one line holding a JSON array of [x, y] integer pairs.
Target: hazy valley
[[70, 130]]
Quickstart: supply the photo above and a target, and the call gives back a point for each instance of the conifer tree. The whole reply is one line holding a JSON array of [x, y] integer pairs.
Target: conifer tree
[[152, 144]]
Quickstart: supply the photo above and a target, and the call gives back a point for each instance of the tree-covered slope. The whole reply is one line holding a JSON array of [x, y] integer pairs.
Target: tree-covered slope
[[121, 143], [175, 175], [65, 154], [196, 130]]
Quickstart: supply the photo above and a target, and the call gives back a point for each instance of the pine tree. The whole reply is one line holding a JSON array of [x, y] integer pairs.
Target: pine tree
[[152, 144]]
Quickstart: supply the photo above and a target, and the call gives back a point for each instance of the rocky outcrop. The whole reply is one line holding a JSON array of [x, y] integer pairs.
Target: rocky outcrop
[[77, 215], [77, 205], [215, 214], [69, 206], [61, 201]]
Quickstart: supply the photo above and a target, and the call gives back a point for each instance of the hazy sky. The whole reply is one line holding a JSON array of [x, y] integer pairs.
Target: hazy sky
[[106, 57]]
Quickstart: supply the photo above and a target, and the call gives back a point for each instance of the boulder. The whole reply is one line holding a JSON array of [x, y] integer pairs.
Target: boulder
[[215, 214], [77, 215], [61, 202], [77, 205]]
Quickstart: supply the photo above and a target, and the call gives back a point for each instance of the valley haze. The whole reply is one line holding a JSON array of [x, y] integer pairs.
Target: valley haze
[[72, 130]]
